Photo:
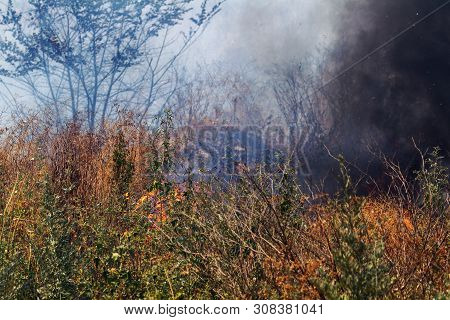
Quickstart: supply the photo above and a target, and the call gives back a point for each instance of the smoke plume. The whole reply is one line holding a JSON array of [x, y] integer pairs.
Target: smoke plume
[[402, 91]]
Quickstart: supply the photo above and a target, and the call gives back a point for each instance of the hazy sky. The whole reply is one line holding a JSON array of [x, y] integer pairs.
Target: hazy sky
[[261, 33], [265, 31]]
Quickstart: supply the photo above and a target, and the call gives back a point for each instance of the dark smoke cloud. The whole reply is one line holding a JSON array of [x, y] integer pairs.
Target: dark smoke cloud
[[403, 91]]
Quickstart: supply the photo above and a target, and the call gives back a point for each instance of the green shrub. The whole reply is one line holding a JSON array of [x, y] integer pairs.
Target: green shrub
[[359, 270], [433, 180], [122, 169]]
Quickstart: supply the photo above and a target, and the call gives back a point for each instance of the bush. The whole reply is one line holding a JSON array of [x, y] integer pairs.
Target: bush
[[90, 216]]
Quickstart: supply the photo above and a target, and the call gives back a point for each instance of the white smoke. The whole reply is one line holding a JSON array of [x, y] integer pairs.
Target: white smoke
[[266, 32]]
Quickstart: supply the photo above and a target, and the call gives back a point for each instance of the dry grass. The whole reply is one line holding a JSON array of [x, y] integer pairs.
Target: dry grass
[[67, 233]]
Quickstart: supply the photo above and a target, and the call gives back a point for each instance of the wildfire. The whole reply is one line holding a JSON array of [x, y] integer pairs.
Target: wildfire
[[158, 205]]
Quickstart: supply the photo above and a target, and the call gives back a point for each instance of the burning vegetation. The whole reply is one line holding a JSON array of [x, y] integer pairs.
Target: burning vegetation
[[329, 180]]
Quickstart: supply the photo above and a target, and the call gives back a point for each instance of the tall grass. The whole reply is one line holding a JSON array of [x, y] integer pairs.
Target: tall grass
[[94, 216]]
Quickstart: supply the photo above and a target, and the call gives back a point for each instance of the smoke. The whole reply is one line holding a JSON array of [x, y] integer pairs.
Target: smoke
[[265, 32], [400, 93]]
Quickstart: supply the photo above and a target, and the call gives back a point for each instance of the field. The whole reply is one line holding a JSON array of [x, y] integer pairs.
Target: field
[[99, 216]]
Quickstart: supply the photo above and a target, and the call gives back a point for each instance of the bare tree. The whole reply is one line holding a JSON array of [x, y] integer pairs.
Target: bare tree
[[82, 57], [213, 94], [299, 101]]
